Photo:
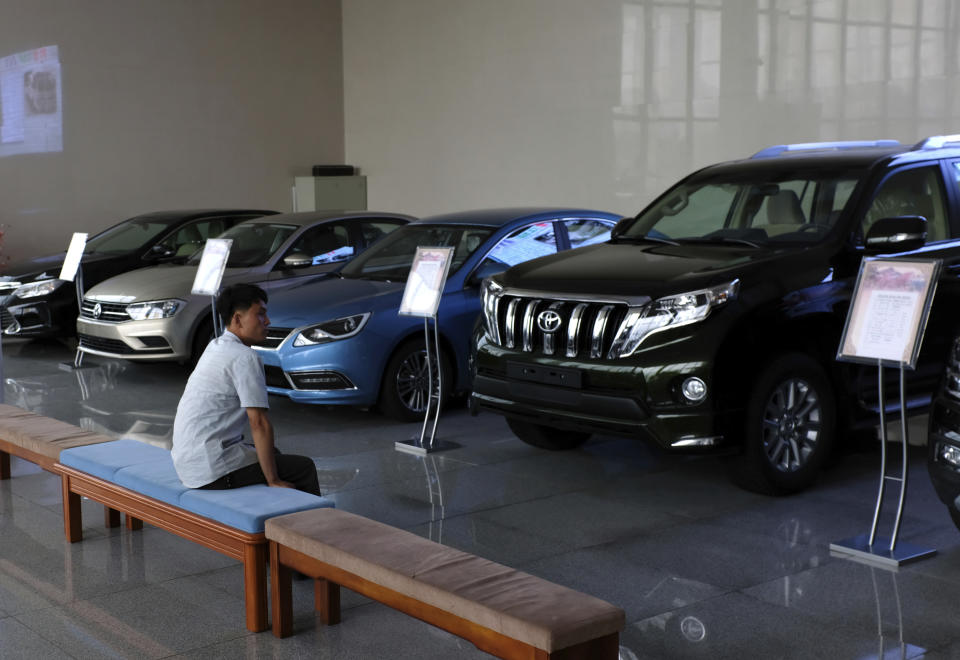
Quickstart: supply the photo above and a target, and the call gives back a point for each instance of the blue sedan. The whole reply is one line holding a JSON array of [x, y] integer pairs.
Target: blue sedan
[[341, 341]]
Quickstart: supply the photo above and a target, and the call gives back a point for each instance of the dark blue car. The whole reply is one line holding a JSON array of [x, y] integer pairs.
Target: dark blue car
[[341, 341]]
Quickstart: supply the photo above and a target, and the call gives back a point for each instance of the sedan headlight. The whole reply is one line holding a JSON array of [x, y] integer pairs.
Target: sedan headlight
[[156, 309], [331, 330], [666, 313], [36, 289]]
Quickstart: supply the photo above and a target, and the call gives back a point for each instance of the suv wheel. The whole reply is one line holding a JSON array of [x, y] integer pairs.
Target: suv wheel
[[404, 392], [790, 427], [547, 437]]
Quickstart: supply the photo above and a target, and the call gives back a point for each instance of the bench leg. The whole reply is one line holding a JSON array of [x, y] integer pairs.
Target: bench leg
[[111, 517], [255, 585], [281, 594], [134, 524], [326, 597], [72, 513], [4, 465]]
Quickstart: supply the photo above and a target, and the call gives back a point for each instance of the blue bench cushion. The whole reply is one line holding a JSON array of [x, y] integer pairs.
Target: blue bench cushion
[[149, 470], [104, 459]]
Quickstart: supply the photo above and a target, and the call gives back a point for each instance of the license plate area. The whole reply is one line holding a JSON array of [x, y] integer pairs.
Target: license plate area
[[535, 373]]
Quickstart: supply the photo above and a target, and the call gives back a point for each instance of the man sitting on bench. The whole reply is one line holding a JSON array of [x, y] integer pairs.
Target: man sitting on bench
[[224, 392]]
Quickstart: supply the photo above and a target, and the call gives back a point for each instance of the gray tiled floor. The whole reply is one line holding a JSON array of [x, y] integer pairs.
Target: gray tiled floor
[[701, 568]]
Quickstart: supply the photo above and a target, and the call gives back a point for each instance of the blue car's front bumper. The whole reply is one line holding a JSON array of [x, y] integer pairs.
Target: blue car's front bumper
[[345, 372]]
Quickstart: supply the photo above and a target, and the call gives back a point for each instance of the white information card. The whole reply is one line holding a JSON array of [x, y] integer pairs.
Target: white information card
[[888, 313], [428, 275], [74, 253], [212, 264]]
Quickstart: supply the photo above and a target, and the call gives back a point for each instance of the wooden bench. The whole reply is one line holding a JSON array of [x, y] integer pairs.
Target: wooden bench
[[38, 439], [139, 480], [500, 610]]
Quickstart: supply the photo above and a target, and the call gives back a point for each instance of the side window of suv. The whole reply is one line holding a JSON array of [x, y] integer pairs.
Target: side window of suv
[[916, 191]]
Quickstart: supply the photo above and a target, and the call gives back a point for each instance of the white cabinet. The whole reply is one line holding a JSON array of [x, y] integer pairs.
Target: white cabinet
[[318, 193]]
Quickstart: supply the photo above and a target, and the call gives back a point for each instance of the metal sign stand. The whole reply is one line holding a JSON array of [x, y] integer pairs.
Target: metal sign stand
[[421, 297], [868, 548], [78, 357], [422, 446]]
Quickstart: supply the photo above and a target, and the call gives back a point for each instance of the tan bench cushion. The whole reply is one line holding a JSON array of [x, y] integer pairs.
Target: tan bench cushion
[[42, 435], [521, 606]]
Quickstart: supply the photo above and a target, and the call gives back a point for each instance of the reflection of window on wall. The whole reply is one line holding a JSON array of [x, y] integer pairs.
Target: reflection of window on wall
[[669, 91]]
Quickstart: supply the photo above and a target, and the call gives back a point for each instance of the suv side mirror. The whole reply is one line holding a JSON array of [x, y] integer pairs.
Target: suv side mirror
[[620, 227], [297, 260], [899, 234]]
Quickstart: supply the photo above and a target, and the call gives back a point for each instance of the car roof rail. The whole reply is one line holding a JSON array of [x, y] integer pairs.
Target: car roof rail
[[937, 142], [776, 150]]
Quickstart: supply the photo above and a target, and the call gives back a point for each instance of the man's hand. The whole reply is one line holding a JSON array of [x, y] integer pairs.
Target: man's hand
[[280, 484]]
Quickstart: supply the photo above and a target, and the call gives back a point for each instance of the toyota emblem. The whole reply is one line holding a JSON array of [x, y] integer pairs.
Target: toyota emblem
[[548, 320], [97, 310]]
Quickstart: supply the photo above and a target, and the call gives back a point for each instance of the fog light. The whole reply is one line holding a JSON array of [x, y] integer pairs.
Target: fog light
[[694, 390], [950, 454]]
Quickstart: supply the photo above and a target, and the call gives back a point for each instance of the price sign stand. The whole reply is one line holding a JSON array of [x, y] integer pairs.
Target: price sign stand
[[213, 262], [72, 270], [421, 297], [885, 326]]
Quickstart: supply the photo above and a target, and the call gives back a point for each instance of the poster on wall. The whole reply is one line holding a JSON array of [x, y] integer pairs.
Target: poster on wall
[[889, 310], [428, 274], [31, 102]]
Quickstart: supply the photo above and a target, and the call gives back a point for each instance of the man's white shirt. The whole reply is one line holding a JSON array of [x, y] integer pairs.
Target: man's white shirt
[[208, 431]]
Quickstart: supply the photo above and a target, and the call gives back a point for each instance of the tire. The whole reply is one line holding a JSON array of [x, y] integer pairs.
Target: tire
[[201, 338], [547, 437], [403, 391], [789, 429]]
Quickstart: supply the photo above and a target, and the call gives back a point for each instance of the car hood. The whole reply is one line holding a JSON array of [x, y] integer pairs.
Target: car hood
[[155, 283], [326, 299], [45, 268], [645, 270]]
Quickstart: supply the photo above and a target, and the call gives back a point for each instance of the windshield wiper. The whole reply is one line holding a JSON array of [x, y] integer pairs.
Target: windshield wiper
[[648, 238]]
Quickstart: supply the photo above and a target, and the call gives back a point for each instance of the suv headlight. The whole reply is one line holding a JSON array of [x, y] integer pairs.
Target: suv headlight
[[36, 289], [156, 309], [331, 330], [668, 312]]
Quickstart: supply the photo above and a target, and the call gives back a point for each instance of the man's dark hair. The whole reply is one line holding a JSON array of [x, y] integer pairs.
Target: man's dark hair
[[238, 298]]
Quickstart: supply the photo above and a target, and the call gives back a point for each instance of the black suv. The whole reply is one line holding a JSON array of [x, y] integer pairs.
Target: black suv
[[710, 322], [943, 439]]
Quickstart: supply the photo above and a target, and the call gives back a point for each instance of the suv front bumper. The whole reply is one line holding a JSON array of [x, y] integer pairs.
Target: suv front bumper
[[623, 399]]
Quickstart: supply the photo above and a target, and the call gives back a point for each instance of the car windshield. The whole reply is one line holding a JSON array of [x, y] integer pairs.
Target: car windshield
[[253, 243], [756, 209], [126, 237], [391, 258]]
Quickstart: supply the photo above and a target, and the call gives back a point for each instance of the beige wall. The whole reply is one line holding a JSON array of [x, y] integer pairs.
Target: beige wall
[[172, 104], [453, 104]]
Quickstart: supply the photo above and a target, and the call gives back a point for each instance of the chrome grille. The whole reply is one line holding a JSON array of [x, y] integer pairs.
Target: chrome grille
[[109, 312], [586, 329]]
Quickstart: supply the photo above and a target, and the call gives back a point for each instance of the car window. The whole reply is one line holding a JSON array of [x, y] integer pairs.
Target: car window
[[327, 243], [587, 231], [190, 237], [373, 230], [753, 207], [253, 243], [126, 237], [391, 258], [526, 243], [916, 191]]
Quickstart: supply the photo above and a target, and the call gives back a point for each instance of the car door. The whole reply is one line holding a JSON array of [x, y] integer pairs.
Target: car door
[[930, 190], [319, 249], [371, 230]]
